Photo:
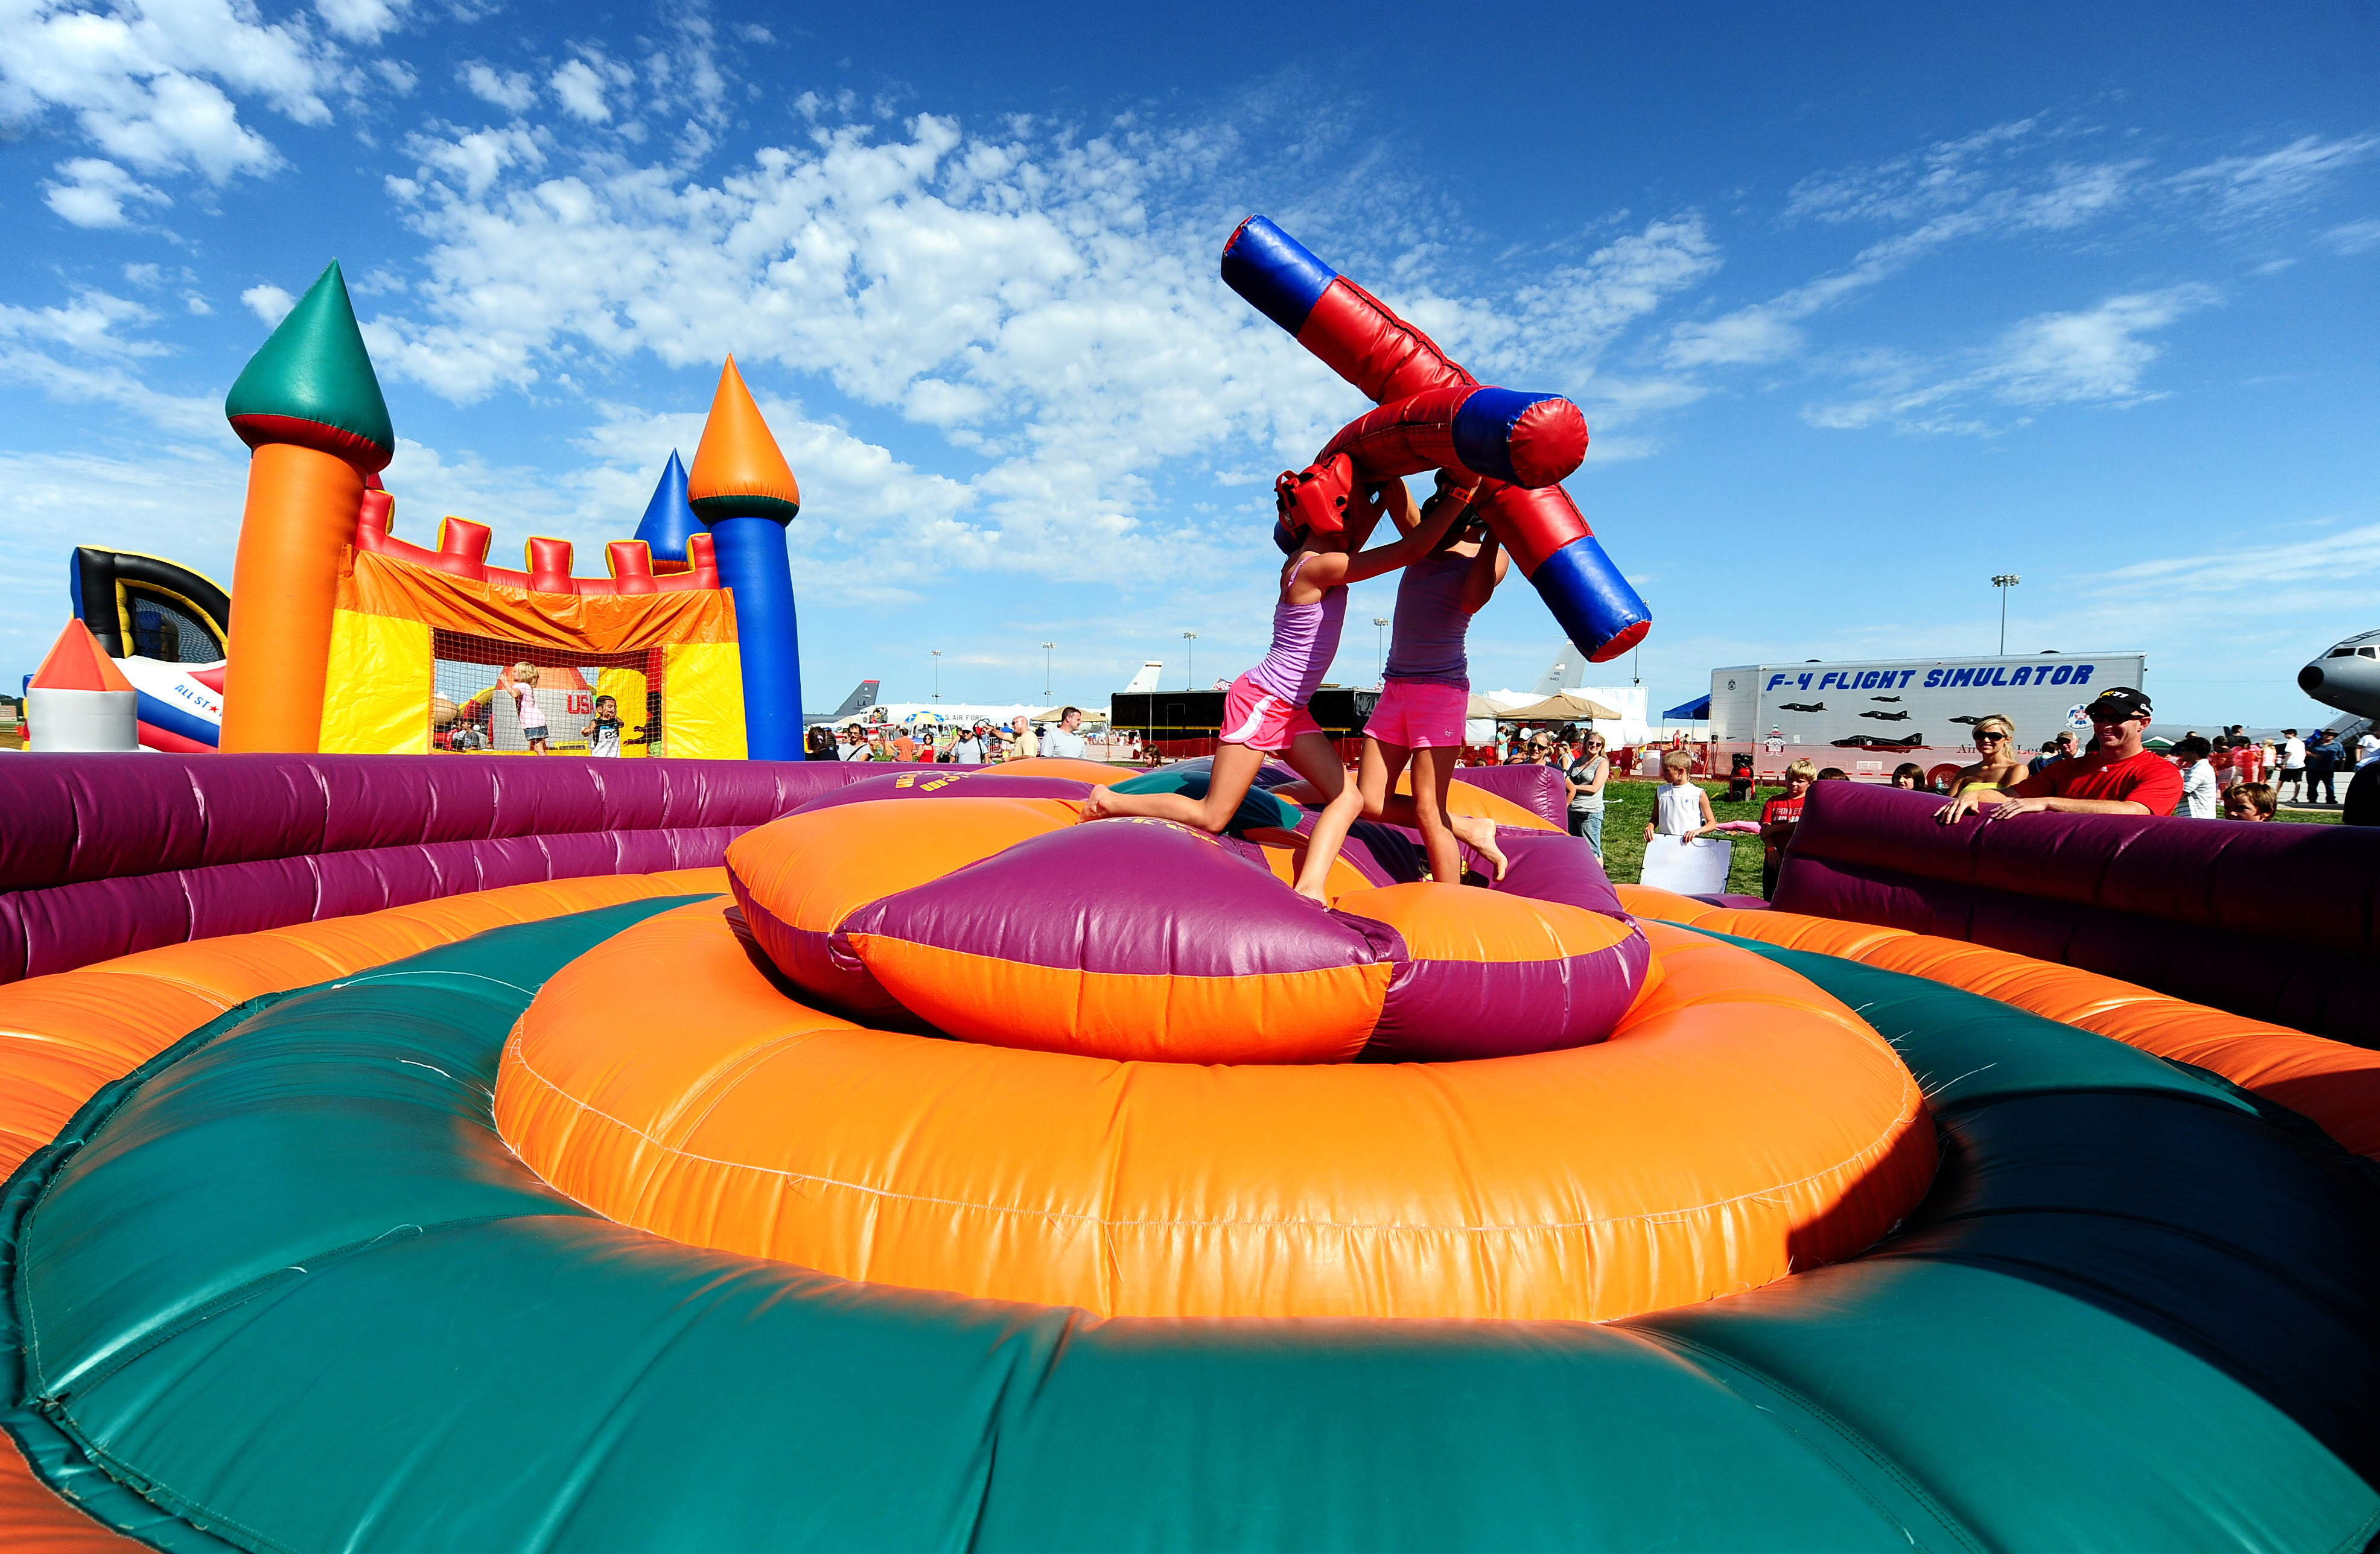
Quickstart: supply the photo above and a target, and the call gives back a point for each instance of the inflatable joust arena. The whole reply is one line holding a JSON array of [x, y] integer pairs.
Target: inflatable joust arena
[[414, 1147]]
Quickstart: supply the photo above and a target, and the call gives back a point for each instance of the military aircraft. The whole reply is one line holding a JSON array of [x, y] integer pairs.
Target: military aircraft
[[1801, 707], [1889, 717], [862, 697], [2347, 678]]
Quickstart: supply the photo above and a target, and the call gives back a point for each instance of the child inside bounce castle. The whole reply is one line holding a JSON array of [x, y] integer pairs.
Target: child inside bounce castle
[[1425, 695], [605, 733], [1265, 713], [519, 682]]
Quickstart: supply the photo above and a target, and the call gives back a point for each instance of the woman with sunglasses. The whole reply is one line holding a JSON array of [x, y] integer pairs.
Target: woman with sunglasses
[[2000, 767]]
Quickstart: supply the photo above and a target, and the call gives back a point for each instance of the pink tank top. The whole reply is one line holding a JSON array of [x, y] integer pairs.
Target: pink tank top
[[1427, 643], [1305, 640]]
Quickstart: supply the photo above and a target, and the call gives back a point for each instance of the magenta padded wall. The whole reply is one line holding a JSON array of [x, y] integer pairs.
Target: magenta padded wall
[[102, 855], [2276, 922]]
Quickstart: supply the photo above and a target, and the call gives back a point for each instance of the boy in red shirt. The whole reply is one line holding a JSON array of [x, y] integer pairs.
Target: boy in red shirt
[[1778, 819], [2117, 777]]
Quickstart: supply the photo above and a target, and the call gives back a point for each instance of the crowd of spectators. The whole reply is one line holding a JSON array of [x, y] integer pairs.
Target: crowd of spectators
[[962, 744]]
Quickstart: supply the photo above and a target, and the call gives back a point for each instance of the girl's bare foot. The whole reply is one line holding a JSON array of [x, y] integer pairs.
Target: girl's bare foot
[[1480, 833]]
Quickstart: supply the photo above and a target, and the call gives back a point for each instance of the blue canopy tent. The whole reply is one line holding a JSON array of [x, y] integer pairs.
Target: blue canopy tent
[[1697, 711]]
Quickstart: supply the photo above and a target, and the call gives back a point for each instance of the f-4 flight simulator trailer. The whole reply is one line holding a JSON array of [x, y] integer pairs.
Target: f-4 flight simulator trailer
[[1869, 716]]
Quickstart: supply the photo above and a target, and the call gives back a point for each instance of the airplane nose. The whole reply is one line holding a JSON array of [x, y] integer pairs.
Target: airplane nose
[[2310, 678]]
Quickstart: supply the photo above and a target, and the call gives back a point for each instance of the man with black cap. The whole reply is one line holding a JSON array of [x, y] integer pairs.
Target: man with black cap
[[2117, 777]]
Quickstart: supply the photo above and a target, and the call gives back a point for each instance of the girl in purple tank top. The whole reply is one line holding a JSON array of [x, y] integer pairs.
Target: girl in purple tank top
[[1425, 695], [1265, 713]]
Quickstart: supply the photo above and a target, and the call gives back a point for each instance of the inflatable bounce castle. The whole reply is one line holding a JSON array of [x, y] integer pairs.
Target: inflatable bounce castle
[[411, 1153], [355, 641]]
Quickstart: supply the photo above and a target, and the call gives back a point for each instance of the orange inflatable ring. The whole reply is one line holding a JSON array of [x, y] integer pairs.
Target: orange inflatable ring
[[1737, 1124]]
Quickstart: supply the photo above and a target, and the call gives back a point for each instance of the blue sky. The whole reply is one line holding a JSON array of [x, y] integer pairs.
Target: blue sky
[[1861, 308]]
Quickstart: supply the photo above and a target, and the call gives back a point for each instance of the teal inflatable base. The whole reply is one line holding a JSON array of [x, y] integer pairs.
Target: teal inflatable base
[[286, 1289]]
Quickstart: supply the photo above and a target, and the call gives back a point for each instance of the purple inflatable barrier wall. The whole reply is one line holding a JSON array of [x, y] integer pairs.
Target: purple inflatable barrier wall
[[103, 855], [2276, 922]]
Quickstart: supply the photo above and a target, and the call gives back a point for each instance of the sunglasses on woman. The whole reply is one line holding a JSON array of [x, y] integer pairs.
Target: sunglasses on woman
[[1982, 735]]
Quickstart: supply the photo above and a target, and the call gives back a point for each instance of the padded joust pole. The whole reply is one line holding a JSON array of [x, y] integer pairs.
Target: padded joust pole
[[309, 407], [1359, 337], [741, 487]]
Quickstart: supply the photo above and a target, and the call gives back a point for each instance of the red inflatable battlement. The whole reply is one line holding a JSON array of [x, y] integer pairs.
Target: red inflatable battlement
[[463, 552]]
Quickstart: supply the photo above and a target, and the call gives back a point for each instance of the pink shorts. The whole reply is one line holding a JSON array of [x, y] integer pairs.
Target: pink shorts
[[1255, 717], [1419, 714]]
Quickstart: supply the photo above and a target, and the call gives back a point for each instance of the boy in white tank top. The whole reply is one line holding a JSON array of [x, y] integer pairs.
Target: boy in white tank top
[[1680, 808]]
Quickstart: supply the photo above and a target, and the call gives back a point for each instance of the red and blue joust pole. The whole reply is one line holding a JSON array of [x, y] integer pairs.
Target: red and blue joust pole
[[741, 487], [1362, 340]]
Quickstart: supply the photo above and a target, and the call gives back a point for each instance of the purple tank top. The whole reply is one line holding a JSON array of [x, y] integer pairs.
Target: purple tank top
[[1427, 644], [1305, 640]]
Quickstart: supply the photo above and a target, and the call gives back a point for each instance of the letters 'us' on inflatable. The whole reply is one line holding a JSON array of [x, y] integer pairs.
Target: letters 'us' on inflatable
[[1435, 414]]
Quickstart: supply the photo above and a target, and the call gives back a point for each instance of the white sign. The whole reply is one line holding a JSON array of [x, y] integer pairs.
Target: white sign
[[1697, 867]]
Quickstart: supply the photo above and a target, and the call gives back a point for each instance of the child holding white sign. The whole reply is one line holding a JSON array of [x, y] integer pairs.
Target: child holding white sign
[[1682, 809]]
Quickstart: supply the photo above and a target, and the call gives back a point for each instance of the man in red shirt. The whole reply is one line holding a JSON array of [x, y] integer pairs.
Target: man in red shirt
[[2117, 777]]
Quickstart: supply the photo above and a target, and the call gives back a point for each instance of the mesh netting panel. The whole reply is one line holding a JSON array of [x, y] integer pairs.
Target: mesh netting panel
[[470, 713], [165, 628]]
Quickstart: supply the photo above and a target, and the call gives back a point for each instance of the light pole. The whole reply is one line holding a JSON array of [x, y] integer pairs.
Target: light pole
[[1044, 670], [1380, 647], [938, 672], [2004, 582], [1189, 659]]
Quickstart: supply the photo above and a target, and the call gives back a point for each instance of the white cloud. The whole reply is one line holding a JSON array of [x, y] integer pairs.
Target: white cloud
[[1971, 188], [96, 193], [474, 159], [2095, 356], [1747, 335], [2349, 553], [2241, 187], [88, 325], [580, 84], [108, 384], [1944, 176], [362, 21], [268, 302], [1567, 317], [505, 88], [2356, 237], [151, 84]]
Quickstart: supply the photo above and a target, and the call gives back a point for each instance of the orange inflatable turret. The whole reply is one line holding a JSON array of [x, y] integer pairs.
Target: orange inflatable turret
[[309, 405], [741, 487]]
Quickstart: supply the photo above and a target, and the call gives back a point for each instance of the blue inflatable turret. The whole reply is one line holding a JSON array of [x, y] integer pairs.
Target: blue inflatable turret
[[669, 519]]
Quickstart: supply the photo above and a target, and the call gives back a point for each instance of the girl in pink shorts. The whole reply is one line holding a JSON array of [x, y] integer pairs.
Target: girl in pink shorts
[[1425, 691], [1265, 713]]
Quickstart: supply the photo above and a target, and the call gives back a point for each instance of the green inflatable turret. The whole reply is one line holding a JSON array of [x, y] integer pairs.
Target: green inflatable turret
[[312, 383]]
